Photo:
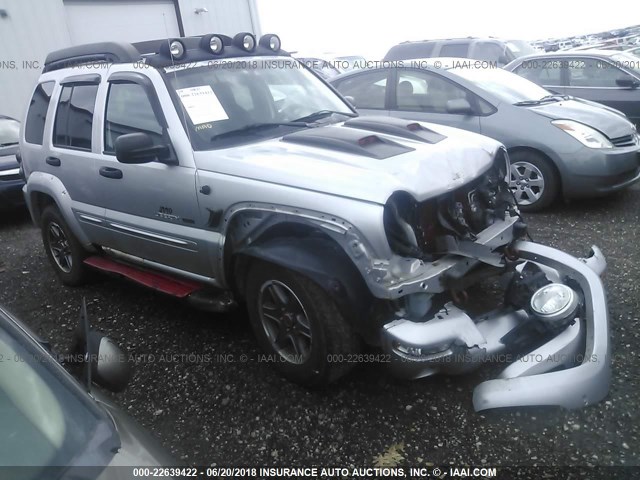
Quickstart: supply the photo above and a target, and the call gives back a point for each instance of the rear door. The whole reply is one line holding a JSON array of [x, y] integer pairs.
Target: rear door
[[429, 97]]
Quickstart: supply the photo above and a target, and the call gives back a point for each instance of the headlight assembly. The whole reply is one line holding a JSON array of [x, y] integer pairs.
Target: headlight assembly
[[588, 136]]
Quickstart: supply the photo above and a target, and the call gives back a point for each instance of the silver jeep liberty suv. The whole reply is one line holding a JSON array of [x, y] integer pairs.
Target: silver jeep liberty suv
[[221, 170]]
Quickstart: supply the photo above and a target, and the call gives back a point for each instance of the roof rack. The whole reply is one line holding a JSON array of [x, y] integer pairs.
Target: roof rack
[[156, 52], [113, 52]]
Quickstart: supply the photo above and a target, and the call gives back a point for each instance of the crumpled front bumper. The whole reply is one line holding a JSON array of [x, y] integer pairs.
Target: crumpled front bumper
[[529, 380]]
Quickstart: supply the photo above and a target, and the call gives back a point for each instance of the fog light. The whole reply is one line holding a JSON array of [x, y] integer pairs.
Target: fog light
[[176, 48], [554, 302]]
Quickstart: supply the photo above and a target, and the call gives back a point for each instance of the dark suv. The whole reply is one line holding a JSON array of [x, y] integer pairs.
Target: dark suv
[[490, 49]]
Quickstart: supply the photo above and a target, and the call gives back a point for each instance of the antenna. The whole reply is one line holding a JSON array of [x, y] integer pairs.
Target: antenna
[[84, 328]]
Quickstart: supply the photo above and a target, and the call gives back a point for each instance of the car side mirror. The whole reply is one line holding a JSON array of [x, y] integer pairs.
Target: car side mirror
[[110, 367], [459, 106], [139, 148], [351, 100], [627, 82]]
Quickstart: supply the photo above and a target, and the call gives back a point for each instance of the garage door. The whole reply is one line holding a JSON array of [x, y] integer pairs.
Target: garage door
[[120, 20]]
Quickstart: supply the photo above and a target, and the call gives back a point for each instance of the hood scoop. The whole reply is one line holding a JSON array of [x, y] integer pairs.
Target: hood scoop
[[349, 141], [397, 127]]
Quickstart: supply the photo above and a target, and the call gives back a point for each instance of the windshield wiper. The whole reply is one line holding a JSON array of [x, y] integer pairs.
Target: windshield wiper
[[545, 99], [312, 117], [259, 126]]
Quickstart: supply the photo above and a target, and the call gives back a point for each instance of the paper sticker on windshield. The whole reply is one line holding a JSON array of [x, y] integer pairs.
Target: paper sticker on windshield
[[202, 105]]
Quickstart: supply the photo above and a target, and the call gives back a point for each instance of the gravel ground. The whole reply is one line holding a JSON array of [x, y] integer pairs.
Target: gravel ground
[[209, 410]]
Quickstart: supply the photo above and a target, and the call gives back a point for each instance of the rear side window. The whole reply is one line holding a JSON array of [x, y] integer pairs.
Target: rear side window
[[74, 117], [37, 114], [454, 50], [129, 110]]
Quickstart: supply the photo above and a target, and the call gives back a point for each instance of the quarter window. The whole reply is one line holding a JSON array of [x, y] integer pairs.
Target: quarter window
[[542, 71], [37, 114], [129, 110], [454, 50], [74, 117]]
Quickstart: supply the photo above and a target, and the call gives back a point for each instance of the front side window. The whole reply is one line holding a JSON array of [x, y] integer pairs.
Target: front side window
[[367, 89], [74, 117], [37, 114], [542, 71], [129, 110], [489, 51], [591, 72], [425, 92], [45, 419]]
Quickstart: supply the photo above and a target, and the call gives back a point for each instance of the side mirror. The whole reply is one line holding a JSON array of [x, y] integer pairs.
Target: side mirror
[[459, 106], [139, 148], [627, 82], [110, 367], [351, 100]]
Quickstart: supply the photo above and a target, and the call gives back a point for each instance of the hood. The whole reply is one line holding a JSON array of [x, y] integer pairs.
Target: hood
[[607, 120], [424, 168]]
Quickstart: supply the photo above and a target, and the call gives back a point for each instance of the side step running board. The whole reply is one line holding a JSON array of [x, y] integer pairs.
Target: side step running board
[[158, 281]]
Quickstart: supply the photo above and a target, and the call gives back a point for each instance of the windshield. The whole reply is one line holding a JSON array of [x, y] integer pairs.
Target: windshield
[[45, 419], [519, 48], [507, 86], [221, 98], [9, 131]]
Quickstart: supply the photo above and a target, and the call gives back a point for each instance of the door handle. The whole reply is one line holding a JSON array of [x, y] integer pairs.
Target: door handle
[[110, 172], [53, 161]]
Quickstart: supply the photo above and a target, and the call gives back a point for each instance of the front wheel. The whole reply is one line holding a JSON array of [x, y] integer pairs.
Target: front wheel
[[534, 182], [299, 325], [63, 249]]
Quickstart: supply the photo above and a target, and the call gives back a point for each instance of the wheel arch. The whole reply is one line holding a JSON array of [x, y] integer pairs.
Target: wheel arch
[[552, 163]]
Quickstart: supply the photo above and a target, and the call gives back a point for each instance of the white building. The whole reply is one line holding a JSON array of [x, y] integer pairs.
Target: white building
[[30, 29]]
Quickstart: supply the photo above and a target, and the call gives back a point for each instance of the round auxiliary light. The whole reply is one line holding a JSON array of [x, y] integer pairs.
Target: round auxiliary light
[[271, 41], [176, 48], [245, 41], [554, 302], [216, 45]]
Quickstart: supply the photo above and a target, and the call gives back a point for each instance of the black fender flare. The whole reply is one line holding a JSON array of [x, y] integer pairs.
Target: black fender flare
[[323, 261]]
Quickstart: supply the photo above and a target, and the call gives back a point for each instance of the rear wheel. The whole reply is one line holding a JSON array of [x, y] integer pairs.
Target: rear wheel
[[534, 182], [298, 325], [63, 249]]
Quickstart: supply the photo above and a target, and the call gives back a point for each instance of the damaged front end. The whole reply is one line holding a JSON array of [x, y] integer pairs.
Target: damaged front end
[[547, 315]]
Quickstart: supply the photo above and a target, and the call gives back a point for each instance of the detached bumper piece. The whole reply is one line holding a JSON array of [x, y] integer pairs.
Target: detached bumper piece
[[568, 365]]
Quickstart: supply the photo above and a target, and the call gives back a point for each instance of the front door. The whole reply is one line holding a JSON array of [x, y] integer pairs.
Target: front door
[[151, 208]]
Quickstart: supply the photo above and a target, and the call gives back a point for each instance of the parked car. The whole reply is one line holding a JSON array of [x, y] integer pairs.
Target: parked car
[[350, 62], [324, 67], [334, 230], [11, 181], [633, 51], [50, 420], [604, 76], [557, 145], [489, 49]]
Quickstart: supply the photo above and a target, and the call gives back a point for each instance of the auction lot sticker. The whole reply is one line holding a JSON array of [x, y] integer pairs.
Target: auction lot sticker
[[202, 104]]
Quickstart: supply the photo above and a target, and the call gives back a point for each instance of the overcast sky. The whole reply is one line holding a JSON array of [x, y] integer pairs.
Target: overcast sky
[[371, 27]]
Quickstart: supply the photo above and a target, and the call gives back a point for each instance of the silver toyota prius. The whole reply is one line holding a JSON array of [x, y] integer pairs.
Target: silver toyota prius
[[558, 145]]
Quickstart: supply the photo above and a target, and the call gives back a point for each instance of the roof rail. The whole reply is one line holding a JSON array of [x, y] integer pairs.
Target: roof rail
[[114, 52]]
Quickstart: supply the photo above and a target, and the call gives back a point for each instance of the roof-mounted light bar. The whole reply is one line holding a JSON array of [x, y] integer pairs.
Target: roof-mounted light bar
[[214, 43], [173, 49]]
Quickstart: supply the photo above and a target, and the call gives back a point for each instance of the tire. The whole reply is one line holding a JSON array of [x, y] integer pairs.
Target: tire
[[323, 346], [534, 181], [63, 249]]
